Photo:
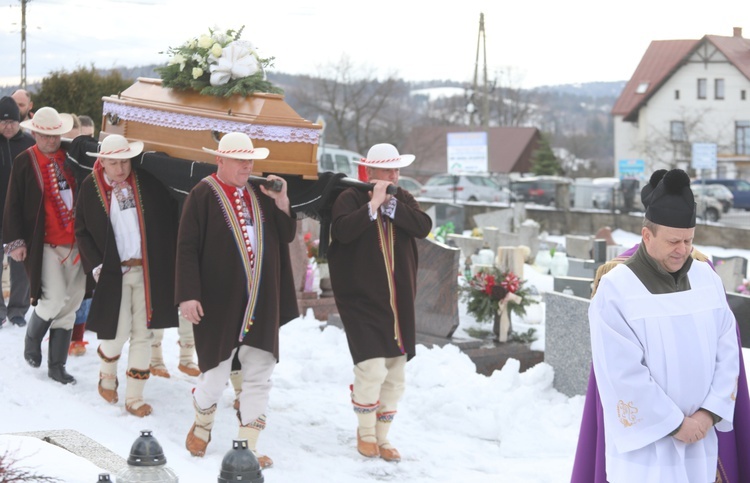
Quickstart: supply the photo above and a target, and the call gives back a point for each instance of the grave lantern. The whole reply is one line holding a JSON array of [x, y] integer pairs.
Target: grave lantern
[[240, 464], [146, 462]]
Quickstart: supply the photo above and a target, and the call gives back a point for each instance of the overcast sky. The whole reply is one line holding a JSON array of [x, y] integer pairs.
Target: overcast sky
[[543, 42]]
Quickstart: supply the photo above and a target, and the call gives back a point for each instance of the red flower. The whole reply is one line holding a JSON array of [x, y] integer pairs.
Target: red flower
[[511, 282]]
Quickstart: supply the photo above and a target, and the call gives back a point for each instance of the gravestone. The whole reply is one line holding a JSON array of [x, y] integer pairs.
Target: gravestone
[[445, 212], [732, 270], [578, 267], [468, 245], [491, 236], [436, 305], [579, 246], [529, 236], [567, 341], [500, 219], [579, 286]]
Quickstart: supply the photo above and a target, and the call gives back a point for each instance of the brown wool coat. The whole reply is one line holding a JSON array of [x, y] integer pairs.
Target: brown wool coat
[[97, 246], [210, 270], [23, 218], [358, 274]]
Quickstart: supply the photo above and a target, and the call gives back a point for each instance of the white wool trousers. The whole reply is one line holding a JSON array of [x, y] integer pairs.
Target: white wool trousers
[[131, 323], [257, 368], [63, 285], [184, 332], [380, 380]]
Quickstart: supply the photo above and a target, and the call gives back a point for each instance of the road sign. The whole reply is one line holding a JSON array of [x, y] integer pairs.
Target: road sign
[[704, 156]]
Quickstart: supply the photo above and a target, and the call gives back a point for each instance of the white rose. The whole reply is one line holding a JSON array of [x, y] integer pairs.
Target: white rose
[[216, 50], [205, 42], [197, 72]]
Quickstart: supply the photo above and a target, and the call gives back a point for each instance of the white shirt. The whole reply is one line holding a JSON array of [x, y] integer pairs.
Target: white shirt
[[657, 359], [126, 226]]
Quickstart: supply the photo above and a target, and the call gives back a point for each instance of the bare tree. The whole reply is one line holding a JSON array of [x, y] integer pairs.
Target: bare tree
[[669, 146], [359, 109]]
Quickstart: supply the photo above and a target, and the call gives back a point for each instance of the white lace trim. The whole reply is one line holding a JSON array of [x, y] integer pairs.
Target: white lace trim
[[187, 122]]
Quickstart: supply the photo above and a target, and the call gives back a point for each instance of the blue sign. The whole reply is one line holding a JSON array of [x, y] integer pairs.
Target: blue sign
[[631, 168]]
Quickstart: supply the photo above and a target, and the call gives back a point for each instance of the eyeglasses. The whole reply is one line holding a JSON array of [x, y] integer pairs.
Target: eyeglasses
[[8, 123]]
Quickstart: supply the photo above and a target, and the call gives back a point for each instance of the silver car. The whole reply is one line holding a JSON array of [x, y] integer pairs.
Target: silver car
[[466, 187]]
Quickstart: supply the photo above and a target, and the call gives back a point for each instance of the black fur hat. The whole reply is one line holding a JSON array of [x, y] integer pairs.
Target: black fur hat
[[669, 200]]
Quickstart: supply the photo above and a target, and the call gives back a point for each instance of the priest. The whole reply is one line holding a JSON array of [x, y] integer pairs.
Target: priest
[[665, 349]]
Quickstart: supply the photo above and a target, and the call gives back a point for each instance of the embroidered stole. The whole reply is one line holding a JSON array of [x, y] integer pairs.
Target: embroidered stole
[[253, 263], [386, 236], [104, 191]]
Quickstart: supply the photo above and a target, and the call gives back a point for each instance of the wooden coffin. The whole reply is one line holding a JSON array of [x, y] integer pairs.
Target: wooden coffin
[[181, 123]]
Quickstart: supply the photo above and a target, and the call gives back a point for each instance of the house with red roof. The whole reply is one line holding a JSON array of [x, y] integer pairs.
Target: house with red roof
[[687, 94]]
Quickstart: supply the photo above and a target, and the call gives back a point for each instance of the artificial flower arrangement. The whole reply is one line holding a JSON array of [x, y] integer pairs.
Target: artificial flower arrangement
[[217, 64], [485, 291], [311, 245]]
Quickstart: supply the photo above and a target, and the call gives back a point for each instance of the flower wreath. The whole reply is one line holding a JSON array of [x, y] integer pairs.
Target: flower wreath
[[217, 64], [485, 291]]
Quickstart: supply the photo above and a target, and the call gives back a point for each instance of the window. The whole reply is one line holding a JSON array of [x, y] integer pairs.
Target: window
[[702, 88], [677, 132], [742, 136], [742, 95], [677, 94], [719, 89]]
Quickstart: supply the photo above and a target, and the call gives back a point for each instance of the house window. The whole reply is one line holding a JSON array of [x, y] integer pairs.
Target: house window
[[742, 136], [702, 88], [677, 94], [677, 132], [719, 89], [742, 95]]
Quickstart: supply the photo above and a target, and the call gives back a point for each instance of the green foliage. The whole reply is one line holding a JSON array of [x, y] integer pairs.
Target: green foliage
[[484, 292], [79, 92], [543, 160]]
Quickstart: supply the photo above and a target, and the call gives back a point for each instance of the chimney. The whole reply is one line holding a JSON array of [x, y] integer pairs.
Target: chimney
[[737, 32]]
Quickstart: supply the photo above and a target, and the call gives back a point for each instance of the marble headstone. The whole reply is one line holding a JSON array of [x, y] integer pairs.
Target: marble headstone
[[436, 305], [567, 342], [500, 219], [732, 271]]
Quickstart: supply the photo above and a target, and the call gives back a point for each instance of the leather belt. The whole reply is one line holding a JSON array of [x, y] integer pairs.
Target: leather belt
[[133, 262]]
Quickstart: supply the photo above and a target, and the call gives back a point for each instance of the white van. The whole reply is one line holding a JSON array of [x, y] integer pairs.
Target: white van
[[333, 158]]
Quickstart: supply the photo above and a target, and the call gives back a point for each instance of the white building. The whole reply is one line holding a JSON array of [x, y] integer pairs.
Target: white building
[[685, 92]]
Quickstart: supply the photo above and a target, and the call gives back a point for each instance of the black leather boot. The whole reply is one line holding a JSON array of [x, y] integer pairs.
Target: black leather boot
[[59, 342], [35, 331]]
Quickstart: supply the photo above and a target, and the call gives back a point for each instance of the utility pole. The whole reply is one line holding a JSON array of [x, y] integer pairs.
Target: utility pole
[[481, 45], [23, 43]]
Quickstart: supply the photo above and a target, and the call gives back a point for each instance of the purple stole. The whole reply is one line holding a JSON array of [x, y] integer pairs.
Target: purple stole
[[589, 465]]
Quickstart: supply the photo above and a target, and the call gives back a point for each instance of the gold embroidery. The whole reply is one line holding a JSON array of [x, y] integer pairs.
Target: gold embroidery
[[626, 413], [733, 396]]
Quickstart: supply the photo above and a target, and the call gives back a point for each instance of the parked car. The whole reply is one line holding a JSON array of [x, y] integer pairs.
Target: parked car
[[739, 188], [333, 158], [410, 184], [718, 191], [538, 189], [467, 187], [708, 208]]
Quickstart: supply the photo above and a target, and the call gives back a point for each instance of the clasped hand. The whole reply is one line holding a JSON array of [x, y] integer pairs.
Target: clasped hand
[[695, 427]]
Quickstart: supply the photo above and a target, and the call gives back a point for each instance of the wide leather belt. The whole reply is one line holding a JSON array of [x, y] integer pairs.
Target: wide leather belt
[[133, 262]]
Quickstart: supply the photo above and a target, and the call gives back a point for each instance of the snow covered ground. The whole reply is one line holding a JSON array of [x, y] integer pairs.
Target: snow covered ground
[[453, 425]]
